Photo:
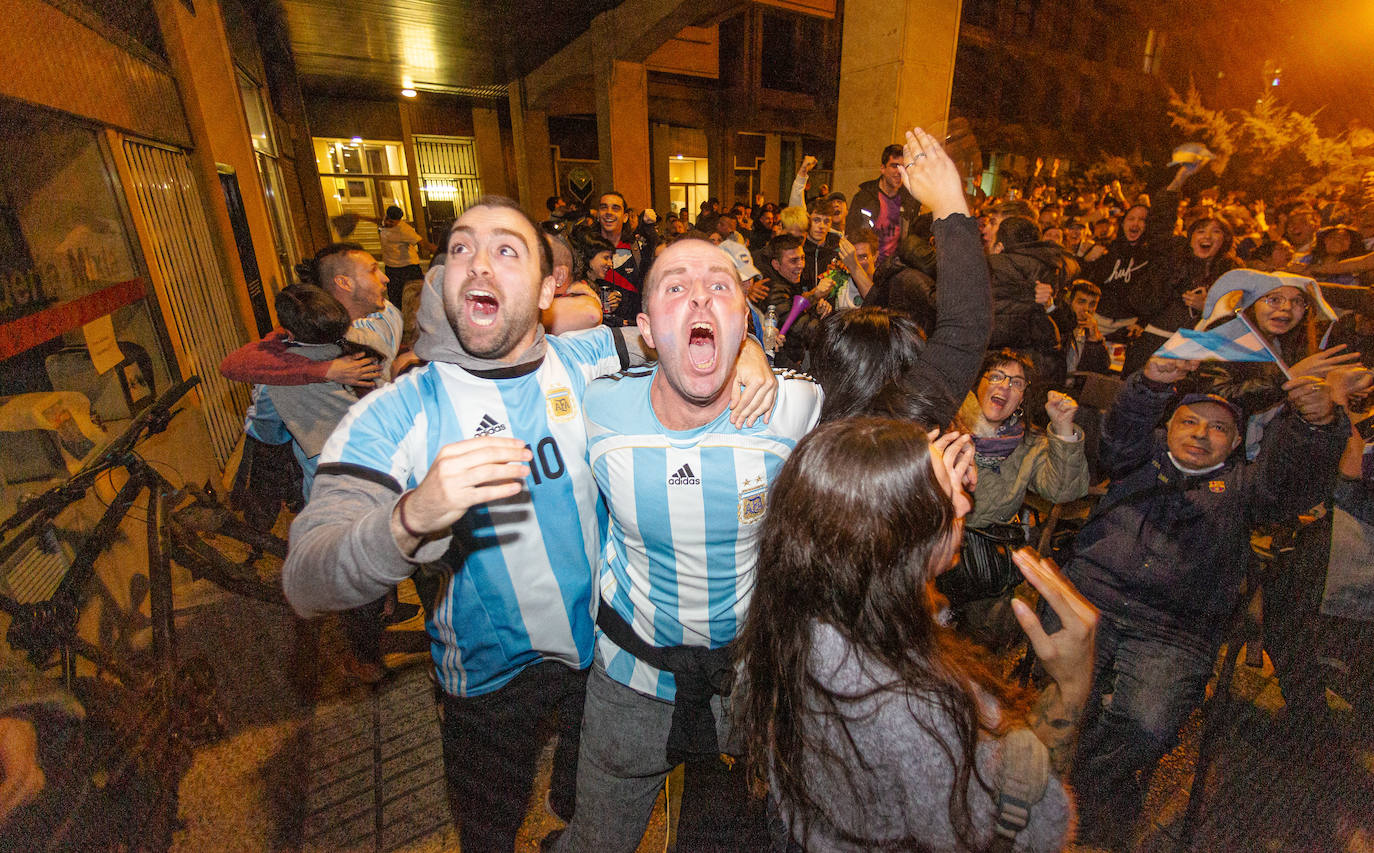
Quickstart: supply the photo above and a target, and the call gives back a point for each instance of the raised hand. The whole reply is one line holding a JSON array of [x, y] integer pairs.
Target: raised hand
[[1067, 654], [1168, 370], [1353, 381], [1321, 363], [1310, 397], [930, 176], [359, 370], [957, 455], [807, 164], [1061, 408], [464, 474], [846, 255]]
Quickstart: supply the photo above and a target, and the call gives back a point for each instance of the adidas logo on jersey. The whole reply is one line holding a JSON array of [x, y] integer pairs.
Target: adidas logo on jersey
[[684, 477], [490, 426]]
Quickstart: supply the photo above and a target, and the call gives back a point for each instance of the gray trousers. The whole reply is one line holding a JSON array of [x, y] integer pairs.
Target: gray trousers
[[620, 767]]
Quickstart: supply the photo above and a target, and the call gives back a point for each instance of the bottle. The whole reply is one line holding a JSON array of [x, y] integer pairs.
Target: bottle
[[770, 331]]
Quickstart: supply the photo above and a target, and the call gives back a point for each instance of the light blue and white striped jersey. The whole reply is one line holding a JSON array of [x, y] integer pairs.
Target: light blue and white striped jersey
[[522, 587], [685, 511]]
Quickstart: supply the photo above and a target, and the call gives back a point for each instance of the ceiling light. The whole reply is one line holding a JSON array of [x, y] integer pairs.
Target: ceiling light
[[407, 93], [357, 140]]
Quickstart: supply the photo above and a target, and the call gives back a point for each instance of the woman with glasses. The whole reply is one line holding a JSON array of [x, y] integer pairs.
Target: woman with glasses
[[1014, 458], [1286, 316]]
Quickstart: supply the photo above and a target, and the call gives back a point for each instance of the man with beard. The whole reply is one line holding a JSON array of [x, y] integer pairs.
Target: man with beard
[[477, 462]]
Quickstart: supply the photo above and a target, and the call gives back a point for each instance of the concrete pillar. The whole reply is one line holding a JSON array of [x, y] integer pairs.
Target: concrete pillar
[[896, 71], [417, 206], [622, 129], [770, 173], [720, 154], [533, 163], [660, 153], [491, 160]]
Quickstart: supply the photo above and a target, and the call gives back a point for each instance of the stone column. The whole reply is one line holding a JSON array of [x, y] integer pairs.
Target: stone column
[[491, 160], [622, 129], [770, 174], [896, 72], [533, 164], [720, 153], [417, 205]]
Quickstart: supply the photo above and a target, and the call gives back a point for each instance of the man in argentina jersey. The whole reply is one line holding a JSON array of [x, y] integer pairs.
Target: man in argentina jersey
[[478, 461], [686, 492]]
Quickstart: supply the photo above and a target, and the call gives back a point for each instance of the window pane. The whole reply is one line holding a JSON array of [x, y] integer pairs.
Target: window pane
[[68, 276], [258, 124]]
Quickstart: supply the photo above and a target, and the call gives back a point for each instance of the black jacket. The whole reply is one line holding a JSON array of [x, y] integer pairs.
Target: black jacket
[[866, 199], [1018, 321], [818, 258], [954, 352], [899, 287]]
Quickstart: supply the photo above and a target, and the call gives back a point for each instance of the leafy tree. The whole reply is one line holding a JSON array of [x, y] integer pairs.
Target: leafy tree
[[1270, 150]]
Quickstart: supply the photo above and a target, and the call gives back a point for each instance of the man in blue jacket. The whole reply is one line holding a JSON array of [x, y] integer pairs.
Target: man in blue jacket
[[1163, 558]]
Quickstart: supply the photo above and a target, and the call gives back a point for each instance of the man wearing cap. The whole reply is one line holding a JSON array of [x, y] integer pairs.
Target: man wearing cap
[[1163, 558], [400, 252]]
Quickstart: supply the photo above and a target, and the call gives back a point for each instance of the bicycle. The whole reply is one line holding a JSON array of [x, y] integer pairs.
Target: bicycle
[[163, 712]]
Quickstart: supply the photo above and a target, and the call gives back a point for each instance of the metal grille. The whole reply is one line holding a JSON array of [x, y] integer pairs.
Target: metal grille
[[448, 170], [195, 299]]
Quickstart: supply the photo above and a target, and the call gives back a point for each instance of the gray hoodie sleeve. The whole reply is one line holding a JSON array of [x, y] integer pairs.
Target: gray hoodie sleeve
[[342, 554]]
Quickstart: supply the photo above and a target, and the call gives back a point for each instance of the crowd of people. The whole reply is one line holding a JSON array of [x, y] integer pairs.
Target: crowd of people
[[750, 492]]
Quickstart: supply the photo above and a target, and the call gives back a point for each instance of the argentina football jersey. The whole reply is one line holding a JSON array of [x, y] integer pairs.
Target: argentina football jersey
[[685, 511], [521, 590]]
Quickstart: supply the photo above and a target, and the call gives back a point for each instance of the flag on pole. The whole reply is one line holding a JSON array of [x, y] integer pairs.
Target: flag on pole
[[1233, 340]]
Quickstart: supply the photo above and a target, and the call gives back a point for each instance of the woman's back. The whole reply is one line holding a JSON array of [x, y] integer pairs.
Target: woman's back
[[889, 773]]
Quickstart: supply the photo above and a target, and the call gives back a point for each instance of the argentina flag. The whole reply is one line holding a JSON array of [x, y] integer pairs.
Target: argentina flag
[[1233, 340]]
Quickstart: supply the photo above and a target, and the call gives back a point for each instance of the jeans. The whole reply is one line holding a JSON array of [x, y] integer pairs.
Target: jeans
[[491, 746], [622, 765], [1144, 687]]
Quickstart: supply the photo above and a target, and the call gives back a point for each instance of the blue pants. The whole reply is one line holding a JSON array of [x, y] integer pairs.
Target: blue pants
[[1144, 687]]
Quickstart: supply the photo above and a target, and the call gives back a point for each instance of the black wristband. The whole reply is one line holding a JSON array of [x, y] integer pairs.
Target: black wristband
[[401, 516]]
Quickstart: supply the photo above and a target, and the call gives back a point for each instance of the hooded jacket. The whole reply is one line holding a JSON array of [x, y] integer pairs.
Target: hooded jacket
[[1018, 321]]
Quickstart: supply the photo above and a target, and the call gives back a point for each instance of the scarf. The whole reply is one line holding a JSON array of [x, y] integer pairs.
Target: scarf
[[990, 451]]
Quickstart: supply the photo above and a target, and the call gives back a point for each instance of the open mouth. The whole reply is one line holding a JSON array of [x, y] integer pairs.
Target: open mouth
[[998, 400], [482, 306], [701, 346]]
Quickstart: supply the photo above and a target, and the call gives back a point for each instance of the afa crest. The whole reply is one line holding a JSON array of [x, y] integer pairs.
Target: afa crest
[[560, 404], [752, 500]]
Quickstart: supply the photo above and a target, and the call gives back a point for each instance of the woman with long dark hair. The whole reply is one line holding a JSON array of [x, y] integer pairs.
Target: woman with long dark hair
[[875, 726]]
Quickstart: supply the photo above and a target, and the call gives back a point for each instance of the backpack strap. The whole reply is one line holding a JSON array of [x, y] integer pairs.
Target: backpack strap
[[1021, 783]]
